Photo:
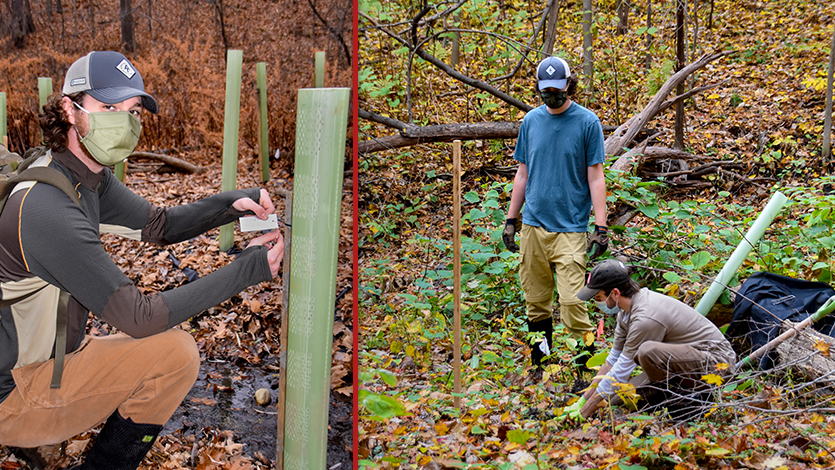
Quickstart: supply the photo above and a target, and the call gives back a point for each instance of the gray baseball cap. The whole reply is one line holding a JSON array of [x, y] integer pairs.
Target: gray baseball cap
[[605, 276], [552, 72], [108, 77]]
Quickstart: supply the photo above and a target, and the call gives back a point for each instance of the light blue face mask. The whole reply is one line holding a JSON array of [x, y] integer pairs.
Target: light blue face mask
[[604, 307]]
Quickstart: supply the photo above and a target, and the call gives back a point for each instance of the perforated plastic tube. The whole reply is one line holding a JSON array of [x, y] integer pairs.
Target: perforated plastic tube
[[321, 124]]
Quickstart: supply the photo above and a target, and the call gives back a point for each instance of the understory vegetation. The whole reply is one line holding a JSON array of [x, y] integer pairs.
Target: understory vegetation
[[676, 227]]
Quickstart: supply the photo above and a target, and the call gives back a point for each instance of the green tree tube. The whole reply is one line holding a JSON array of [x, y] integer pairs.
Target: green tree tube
[[4, 130], [231, 125], [741, 252], [261, 82], [321, 124], [44, 90], [319, 70]]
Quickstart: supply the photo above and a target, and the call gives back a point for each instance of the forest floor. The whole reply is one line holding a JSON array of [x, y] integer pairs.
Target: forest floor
[[219, 425], [764, 122]]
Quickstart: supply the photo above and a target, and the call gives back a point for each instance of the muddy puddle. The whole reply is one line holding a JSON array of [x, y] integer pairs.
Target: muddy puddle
[[224, 398]]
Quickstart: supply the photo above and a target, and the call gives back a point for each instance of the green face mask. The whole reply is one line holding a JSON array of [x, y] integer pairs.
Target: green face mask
[[112, 137]]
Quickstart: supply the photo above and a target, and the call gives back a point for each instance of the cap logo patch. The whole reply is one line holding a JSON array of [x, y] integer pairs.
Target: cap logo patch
[[78, 81], [126, 69], [550, 70]]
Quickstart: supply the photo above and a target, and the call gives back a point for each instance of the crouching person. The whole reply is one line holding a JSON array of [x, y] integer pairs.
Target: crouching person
[[56, 382], [673, 343]]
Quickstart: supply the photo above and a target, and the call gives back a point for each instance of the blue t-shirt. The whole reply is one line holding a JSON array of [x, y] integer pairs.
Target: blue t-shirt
[[558, 149]]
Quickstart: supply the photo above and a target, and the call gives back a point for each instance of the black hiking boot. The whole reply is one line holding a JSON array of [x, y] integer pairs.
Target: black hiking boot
[[546, 327], [121, 445]]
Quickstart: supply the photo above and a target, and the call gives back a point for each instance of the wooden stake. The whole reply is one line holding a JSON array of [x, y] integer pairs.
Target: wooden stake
[[285, 326], [456, 264]]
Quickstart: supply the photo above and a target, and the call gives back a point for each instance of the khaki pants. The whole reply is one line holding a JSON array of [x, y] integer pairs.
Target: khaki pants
[[144, 379], [544, 254], [685, 363]]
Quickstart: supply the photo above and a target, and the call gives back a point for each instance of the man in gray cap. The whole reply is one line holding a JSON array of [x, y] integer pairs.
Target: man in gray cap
[[55, 382], [559, 180], [673, 343]]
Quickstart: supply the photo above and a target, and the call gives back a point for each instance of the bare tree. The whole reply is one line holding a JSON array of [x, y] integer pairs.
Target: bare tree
[[827, 124], [649, 36], [128, 26], [623, 16], [680, 61], [588, 57], [553, 9], [20, 22]]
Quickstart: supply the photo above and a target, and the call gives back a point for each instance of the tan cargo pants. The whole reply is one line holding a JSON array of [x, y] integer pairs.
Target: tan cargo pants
[[145, 379], [544, 254], [686, 363]]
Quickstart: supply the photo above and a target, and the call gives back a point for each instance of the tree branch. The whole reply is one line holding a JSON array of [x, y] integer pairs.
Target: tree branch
[[626, 132], [386, 121], [413, 135]]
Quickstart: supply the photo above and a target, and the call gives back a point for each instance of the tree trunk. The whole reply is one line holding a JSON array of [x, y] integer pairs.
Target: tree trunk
[[20, 21], [551, 29], [92, 20], [151, 21], [588, 57], [680, 60], [221, 22], [623, 16], [649, 36], [128, 33], [827, 122]]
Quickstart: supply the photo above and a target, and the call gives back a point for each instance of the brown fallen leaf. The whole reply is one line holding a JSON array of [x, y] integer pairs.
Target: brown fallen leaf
[[204, 401]]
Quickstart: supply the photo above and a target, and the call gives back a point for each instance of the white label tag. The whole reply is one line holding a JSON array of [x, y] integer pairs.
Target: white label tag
[[253, 224], [543, 346]]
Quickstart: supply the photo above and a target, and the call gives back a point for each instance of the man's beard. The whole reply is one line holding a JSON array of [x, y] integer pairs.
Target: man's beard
[[82, 129]]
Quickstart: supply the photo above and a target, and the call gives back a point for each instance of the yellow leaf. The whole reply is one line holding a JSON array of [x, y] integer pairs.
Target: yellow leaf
[[823, 347], [588, 338], [712, 379], [722, 366], [441, 428], [717, 451]]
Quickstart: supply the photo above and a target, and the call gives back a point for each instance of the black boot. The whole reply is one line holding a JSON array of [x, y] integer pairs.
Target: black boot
[[121, 445], [546, 327], [584, 353]]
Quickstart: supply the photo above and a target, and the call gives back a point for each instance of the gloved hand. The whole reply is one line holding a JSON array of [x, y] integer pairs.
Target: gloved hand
[[598, 242], [508, 235], [573, 411]]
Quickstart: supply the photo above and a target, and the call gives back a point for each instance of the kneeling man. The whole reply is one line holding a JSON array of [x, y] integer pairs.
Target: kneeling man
[[673, 343]]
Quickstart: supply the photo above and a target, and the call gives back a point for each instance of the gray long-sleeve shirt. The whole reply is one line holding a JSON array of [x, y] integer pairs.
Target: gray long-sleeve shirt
[[47, 240]]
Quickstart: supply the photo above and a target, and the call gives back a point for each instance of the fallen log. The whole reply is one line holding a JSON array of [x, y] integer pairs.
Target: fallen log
[[799, 347], [171, 161], [807, 356], [413, 135]]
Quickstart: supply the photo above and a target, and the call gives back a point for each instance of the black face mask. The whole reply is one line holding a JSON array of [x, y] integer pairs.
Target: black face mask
[[553, 99]]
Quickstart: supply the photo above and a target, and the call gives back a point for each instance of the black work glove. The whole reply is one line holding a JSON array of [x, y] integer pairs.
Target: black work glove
[[508, 235], [598, 242]]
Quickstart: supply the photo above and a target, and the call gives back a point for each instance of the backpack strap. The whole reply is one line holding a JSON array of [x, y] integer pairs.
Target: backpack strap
[[60, 332], [42, 174], [55, 178], [60, 340]]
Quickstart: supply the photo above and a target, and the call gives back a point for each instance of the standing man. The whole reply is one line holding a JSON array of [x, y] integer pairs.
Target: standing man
[[672, 342], [54, 270], [559, 180]]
